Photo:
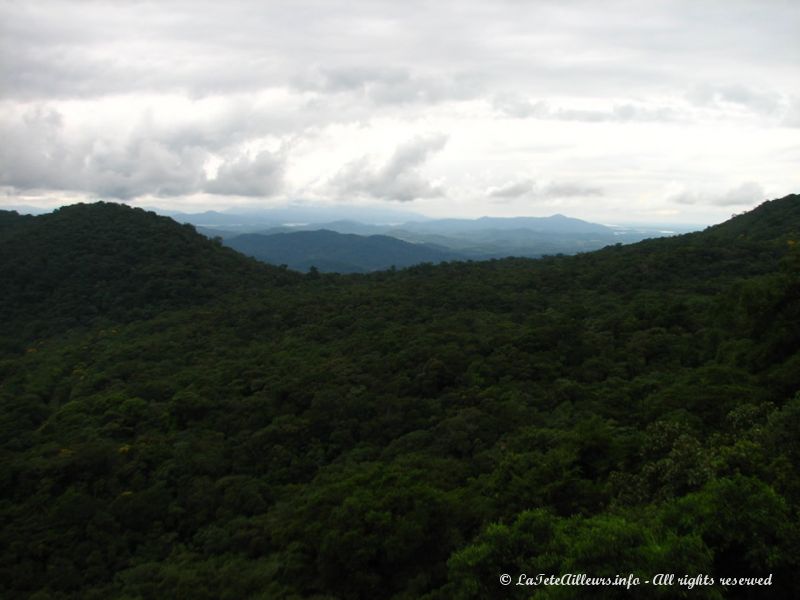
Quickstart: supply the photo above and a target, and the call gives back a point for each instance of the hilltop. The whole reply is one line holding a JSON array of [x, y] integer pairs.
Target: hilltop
[[109, 261]]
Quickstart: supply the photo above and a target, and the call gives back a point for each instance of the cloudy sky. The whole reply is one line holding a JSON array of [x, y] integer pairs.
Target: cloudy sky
[[617, 111]]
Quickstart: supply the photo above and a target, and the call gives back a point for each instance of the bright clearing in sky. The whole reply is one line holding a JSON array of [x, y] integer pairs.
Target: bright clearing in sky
[[671, 111]]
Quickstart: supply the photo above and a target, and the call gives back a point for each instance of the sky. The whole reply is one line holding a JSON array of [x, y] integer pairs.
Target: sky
[[619, 111]]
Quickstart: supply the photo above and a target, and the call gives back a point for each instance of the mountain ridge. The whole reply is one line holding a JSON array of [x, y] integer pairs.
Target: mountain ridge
[[331, 251], [132, 264]]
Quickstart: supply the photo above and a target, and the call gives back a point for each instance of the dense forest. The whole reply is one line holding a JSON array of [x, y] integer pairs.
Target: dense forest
[[332, 252], [180, 421]]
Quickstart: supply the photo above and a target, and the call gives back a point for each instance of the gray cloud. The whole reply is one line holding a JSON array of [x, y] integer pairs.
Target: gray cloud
[[143, 166], [566, 189], [50, 49], [399, 178], [514, 189], [791, 117], [261, 175], [745, 194], [33, 153], [528, 188], [518, 107], [295, 69], [39, 154], [760, 101], [387, 85]]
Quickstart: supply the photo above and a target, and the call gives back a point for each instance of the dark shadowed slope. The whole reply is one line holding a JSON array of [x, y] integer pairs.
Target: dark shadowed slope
[[331, 251], [111, 261]]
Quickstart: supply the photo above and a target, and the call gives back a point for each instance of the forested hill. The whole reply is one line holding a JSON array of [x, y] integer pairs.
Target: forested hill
[[109, 261], [337, 252], [11, 221], [749, 244], [402, 434], [772, 220]]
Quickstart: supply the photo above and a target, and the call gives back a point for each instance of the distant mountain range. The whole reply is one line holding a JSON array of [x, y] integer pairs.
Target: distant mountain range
[[337, 252], [350, 239], [349, 246], [251, 220]]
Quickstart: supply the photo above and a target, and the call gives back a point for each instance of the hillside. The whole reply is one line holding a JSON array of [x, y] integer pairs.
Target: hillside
[[402, 434], [329, 251], [108, 261], [772, 220], [11, 221]]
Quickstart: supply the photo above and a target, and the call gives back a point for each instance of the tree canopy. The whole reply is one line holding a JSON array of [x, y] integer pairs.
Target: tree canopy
[[177, 420]]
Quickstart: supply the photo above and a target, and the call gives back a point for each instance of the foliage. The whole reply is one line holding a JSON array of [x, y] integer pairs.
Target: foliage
[[179, 421]]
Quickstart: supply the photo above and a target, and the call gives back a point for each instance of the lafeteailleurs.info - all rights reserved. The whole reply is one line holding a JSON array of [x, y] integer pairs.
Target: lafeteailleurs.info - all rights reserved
[[631, 580]]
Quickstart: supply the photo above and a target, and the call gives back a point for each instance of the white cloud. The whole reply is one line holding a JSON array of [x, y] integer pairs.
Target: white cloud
[[134, 100], [748, 193], [791, 117], [260, 175], [528, 188], [760, 101], [512, 189], [399, 178], [518, 107], [48, 150]]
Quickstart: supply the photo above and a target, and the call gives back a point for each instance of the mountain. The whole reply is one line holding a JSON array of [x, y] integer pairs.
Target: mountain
[[494, 237], [179, 420], [252, 220], [446, 239], [330, 251], [11, 220], [774, 219], [96, 261], [553, 224], [25, 209], [466, 239], [481, 244]]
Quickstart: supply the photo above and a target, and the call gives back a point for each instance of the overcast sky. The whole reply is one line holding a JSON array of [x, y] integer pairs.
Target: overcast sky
[[615, 111]]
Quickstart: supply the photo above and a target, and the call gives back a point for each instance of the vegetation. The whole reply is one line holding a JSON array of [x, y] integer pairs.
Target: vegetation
[[177, 420], [329, 251]]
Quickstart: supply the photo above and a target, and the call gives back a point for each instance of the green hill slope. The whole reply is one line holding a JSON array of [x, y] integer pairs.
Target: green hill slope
[[337, 252], [416, 433], [774, 219], [108, 261]]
